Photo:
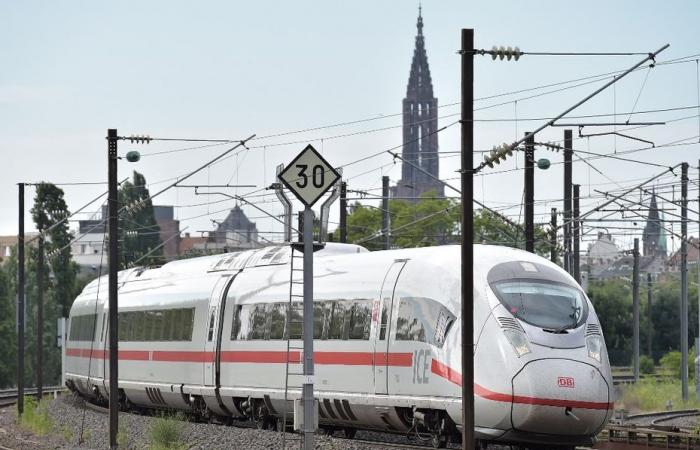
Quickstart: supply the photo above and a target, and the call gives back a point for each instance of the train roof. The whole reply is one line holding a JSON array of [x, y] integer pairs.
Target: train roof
[[445, 257]]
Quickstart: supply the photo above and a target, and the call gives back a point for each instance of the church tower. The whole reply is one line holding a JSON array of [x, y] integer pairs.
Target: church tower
[[420, 140], [654, 236]]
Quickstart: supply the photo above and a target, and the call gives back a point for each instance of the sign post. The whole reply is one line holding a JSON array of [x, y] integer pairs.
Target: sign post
[[308, 176]]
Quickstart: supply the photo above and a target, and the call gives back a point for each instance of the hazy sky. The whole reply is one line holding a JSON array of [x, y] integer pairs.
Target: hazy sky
[[183, 69]]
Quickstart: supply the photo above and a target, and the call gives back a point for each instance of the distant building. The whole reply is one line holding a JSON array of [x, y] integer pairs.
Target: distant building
[[604, 261], [169, 230], [188, 245], [420, 170], [235, 233], [623, 267], [654, 236], [674, 262], [88, 248], [601, 254], [8, 242]]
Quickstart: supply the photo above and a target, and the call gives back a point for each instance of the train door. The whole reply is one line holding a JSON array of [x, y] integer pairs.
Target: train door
[[381, 342], [214, 319]]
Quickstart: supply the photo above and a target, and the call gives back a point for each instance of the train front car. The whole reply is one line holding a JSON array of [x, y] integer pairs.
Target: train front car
[[541, 367]]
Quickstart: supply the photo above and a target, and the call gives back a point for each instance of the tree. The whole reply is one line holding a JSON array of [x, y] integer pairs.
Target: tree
[[59, 279], [491, 228], [612, 301], [430, 221], [49, 209], [435, 221], [8, 335], [363, 222], [139, 231]]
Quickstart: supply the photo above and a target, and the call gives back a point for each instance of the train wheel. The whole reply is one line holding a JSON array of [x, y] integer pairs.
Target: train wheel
[[349, 432], [262, 419], [438, 440]]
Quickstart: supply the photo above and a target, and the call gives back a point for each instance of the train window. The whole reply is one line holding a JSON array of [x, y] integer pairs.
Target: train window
[[258, 320], [277, 319], [174, 318], [102, 333], [338, 310], [385, 318], [320, 313], [544, 304], [82, 328], [242, 322], [212, 319], [156, 325], [236, 323], [360, 319], [442, 326], [423, 320], [186, 324], [296, 321]]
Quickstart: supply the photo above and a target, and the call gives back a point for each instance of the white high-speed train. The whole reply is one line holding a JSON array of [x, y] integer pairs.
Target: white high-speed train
[[208, 336]]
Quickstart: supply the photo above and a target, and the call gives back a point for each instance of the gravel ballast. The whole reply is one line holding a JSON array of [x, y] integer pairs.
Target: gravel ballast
[[69, 416]]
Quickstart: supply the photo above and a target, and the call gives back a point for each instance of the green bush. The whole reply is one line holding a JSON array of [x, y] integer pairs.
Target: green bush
[[646, 365], [35, 417], [165, 433], [671, 362]]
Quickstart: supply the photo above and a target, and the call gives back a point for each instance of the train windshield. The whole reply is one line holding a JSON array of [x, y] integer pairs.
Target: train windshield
[[553, 307]]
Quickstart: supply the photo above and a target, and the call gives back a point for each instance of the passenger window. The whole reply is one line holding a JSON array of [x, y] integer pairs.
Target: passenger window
[[277, 318], [360, 318], [258, 321], [337, 322], [139, 326], [423, 320], [444, 323], [156, 325], [296, 321], [82, 328], [236, 323], [385, 317], [172, 319], [320, 319]]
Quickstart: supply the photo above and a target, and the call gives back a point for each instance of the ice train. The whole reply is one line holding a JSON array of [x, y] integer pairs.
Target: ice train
[[210, 336]]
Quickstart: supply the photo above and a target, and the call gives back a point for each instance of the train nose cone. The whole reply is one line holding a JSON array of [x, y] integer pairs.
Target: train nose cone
[[568, 396]]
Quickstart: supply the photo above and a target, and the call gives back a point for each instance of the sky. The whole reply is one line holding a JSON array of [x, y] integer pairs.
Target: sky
[[228, 70]]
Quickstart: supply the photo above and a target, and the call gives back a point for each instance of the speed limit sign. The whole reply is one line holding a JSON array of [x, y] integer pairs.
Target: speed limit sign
[[309, 176]]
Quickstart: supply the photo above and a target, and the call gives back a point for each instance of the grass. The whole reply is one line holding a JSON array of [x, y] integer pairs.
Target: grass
[[650, 395], [35, 417], [122, 438], [165, 433]]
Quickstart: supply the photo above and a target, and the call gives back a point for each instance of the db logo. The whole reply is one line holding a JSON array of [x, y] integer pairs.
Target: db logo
[[566, 382]]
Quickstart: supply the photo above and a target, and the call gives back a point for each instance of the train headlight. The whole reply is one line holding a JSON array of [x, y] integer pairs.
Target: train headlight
[[519, 341], [595, 347]]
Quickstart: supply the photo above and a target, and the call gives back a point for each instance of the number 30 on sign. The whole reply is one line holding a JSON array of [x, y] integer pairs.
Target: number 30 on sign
[[309, 176]]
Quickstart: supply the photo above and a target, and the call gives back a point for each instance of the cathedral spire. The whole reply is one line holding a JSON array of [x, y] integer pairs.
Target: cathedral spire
[[420, 170], [653, 237], [420, 20]]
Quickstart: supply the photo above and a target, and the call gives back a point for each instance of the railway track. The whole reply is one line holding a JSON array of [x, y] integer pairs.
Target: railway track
[[8, 397], [649, 430], [366, 443]]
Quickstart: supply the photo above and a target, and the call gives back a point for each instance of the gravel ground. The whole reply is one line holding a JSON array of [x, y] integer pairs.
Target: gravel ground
[[12, 437], [68, 414]]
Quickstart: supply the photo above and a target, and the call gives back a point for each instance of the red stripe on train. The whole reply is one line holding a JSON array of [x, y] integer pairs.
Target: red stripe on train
[[270, 357], [455, 377]]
